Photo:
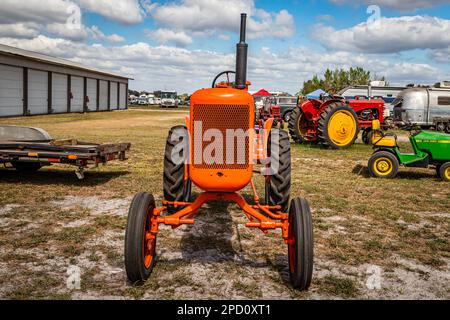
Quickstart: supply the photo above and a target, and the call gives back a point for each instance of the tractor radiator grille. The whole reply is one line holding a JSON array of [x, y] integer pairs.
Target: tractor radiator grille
[[218, 120]]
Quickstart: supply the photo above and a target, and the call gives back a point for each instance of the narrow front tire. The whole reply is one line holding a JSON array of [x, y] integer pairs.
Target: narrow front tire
[[140, 243], [301, 244]]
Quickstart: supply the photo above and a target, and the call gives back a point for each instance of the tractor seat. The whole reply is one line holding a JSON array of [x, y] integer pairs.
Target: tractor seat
[[381, 139]]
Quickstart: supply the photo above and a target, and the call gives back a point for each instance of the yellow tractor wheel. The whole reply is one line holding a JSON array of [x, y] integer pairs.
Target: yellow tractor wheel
[[445, 172], [338, 126], [384, 164]]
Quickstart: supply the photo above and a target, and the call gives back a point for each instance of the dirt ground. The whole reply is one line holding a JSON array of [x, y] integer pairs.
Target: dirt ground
[[375, 239]]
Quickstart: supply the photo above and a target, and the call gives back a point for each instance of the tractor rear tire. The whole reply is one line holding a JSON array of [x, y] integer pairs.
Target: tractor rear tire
[[287, 116], [278, 182], [26, 167], [140, 245], [338, 126], [301, 244], [383, 164], [177, 187], [444, 172], [294, 125]]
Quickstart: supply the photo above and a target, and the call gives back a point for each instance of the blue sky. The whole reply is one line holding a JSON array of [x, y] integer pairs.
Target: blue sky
[[182, 44]]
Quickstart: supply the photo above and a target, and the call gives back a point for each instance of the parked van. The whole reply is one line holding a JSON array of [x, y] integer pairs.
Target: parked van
[[424, 106]]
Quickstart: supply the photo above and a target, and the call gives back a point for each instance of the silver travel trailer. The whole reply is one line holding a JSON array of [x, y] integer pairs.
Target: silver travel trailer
[[424, 106]]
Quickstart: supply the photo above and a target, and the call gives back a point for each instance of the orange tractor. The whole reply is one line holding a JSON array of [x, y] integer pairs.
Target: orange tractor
[[198, 154]]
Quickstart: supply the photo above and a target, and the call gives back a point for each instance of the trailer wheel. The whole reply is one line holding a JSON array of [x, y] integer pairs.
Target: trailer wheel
[[140, 243], [301, 244], [444, 172], [294, 125], [338, 126], [26, 166], [278, 182], [384, 164], [177, 187]]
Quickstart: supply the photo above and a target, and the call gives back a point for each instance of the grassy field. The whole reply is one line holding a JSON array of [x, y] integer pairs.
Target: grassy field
[[49, 221]]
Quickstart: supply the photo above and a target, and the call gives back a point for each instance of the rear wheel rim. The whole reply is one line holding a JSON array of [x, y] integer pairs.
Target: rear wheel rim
[[447, 173], [383, 166], [303, 126], [149, 243], [342, 128]]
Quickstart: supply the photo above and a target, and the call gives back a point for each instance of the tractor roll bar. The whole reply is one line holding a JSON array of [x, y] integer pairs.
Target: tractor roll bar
[[241, 56]]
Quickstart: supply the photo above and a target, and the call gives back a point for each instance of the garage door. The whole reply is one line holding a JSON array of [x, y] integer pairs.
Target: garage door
[[59, 93], [11, 91], [37, 92], [123, 96], [92, 94], [77, 88], [114, 102], [103, 95]]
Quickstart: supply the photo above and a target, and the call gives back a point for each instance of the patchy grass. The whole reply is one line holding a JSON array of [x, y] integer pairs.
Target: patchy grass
[[341, 287], [50, 221]]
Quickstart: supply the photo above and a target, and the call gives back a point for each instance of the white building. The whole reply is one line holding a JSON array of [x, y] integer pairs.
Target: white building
[[33, 84]]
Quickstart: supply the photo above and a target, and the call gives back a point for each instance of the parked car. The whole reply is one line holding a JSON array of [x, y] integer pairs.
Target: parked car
[[287, 105], [424, 107]]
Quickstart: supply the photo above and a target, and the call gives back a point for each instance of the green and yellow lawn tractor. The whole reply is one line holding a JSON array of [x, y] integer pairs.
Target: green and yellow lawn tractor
[[430, 149]]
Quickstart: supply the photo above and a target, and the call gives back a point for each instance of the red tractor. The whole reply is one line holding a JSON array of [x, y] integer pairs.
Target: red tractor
[[334, 121], [270, 110]]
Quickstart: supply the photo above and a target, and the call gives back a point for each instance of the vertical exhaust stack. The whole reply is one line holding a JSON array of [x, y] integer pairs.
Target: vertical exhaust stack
[[241, 56]]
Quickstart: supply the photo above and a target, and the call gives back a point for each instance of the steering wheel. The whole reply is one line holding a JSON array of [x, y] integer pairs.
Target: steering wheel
[[227, 73]]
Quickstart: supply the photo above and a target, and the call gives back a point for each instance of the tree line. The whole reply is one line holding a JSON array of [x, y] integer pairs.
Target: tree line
[[335, 81]]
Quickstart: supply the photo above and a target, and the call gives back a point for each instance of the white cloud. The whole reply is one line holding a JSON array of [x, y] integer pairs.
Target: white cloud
[[66, 31], [200, 16], [402, 5], [441, 55], [187, 70], [164, 36], [388, 35], [19, 30], [13, 11], [97, 34], [123, 11], [60, 18]]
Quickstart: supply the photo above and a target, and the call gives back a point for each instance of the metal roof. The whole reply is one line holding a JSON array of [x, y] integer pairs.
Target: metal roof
[[35, 56]]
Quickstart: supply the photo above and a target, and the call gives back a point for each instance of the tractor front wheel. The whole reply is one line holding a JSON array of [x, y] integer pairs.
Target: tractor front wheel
[[384, 164], [367, 136], [177, 186], [338, 126], [140, 243], [444, 172], [301, 244]]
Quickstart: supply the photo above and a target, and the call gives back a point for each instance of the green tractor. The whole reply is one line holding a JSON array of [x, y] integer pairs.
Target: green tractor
[[430, 148]]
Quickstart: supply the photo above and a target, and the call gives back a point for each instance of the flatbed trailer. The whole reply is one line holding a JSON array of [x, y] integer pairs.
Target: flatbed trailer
[[30, 155]]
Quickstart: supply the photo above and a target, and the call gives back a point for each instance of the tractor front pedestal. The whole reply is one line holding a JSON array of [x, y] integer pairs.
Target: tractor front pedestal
[[145, 218], [262, 217]]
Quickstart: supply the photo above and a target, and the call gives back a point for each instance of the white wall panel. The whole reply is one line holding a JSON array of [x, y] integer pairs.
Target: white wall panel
[[77, 88], [11, 91], [37, 92], [59, 93]]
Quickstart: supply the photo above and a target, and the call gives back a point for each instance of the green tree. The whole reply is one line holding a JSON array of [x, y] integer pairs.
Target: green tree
[[335, 81]]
